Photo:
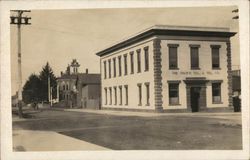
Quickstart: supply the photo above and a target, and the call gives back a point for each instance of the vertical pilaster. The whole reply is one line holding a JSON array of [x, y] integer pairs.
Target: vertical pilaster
[[229, 74], [157, 75]]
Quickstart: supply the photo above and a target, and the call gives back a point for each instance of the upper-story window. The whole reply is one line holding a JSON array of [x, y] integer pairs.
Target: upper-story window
[[114, 63], [132, 62], [138, 60], [173, 56], [105, 69], [125, 65], [120, 65], [109, 68], [215, 49], [146, 58], [194, 54]]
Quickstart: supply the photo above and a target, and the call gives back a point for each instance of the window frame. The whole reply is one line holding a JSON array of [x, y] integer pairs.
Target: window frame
[[194, 46], [125, 64], [212, 85], [131, 62], [139, 85], [212, 56], [114, 66], [120, 65], [147, 86], [105, 69], [175, 46], [177, 89], [138, 51], [146, 58]]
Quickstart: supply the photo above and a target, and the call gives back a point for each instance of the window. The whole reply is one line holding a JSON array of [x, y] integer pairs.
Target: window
[[115, 92], [132, 62], [109, 68], [139, 94], [147, 94], [106, 97], [194, 56], [146, 58], [138, 60], [173, 93], [105, 70], [64, 88], [120, 65], [126, 94], [215, 56], [216, 92], [114, 63], [173, 58], [110, 94], [125, 65], [120, 88]]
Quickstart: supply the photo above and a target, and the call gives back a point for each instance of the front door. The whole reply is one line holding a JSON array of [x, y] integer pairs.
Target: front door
[[195, 97]]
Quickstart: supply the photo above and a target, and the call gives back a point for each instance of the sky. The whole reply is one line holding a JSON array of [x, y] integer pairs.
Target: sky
[[58, 36]]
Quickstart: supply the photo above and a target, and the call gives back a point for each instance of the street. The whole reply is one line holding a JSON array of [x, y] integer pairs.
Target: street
[[166, 132]]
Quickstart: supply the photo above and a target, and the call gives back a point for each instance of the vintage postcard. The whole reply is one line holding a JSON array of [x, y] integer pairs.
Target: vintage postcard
[[125, 80]]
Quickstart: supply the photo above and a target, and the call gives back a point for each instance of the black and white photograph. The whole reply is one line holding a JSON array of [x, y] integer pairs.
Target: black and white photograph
[[137, 79]]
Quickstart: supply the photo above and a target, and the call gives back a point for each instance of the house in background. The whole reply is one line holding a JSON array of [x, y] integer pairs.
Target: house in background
[[78, 90], [169, 68]]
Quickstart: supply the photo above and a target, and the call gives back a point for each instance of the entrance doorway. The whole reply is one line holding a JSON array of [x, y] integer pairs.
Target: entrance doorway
[[195, 98]]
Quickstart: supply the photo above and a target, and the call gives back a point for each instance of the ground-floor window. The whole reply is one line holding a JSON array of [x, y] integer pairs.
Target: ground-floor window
[[120, 89], [126, 94], [216, 92], [115, 93], [110, 94], [173, 93], [106, 97], [139, 94], [147, 93]]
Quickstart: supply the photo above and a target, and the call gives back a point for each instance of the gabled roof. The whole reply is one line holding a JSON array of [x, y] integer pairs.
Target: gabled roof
[[68, 76], [84, 78], [168, 30]]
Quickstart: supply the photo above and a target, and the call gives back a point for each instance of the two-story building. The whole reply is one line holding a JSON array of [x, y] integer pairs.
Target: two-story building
[[167, 68], [78, 90]]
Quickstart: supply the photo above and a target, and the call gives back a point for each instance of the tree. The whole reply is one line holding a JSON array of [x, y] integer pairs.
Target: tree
[[36, 87], [31, 89], [44, 75]]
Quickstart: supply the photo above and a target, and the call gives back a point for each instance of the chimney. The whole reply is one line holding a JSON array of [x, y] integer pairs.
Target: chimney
[[87, 71], [61, 73]]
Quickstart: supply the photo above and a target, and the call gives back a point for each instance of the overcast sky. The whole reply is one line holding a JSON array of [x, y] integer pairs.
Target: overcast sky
[[58, 36]]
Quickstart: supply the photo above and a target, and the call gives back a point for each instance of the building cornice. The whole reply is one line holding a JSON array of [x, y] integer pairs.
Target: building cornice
[[154, 31]]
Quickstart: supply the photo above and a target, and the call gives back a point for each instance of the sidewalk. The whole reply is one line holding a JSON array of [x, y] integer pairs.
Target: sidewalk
[[27, 140]]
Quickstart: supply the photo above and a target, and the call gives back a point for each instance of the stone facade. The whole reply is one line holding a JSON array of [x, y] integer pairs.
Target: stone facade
[[169, 83]]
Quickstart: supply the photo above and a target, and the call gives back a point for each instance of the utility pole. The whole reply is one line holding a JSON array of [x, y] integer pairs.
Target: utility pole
[[19, 21], [49, 89]]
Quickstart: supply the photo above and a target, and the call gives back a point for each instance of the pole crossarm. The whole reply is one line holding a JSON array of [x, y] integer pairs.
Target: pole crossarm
[[19, 20]]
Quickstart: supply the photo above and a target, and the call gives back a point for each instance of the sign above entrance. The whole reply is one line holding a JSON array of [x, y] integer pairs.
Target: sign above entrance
[[195, 73]]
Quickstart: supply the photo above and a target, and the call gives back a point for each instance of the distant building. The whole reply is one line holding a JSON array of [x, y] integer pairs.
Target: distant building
[[81, 90], [168, 68]]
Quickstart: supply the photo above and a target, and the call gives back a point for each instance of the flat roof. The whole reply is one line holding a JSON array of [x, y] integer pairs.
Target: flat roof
[[167, 30]]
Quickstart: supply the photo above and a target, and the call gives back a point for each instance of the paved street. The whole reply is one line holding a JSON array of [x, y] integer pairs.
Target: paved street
[[130, 132]]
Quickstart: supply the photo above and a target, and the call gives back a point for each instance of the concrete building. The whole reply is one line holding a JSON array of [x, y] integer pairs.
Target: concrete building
[[166, 68], [79, 90]]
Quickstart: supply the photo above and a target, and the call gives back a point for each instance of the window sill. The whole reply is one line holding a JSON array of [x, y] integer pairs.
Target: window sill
[[173, 68], [195, 68], [216, 68], [139, 104], [146, 70], [147, 104], [177, 104], [217, 102]]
